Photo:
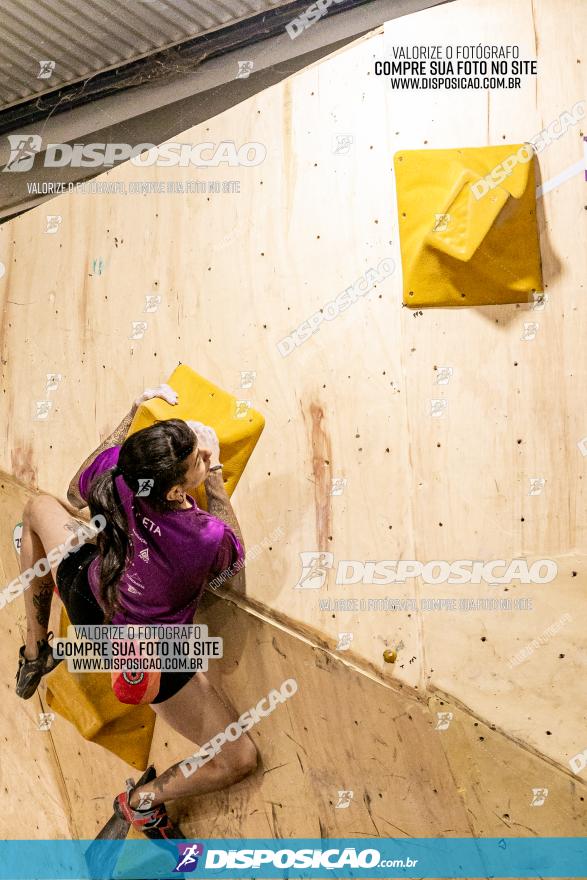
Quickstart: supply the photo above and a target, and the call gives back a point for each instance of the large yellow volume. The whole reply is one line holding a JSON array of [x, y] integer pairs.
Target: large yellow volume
[[87, 701], [237, 425], [467, 222]]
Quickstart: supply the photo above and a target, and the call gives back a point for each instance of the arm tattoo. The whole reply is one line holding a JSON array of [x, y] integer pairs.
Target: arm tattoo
[[42, 601], [219, 505], [117, 437]]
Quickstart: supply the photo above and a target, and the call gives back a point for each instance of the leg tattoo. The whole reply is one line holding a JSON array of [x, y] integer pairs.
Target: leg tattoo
[[42, 600]]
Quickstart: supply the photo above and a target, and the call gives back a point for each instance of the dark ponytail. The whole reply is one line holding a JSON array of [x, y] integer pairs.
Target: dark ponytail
[[158, 454], [113, 542]]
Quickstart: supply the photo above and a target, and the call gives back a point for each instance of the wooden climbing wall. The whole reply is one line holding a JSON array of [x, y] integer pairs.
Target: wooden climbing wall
[[237, 272], [44, 772], [342, 731]]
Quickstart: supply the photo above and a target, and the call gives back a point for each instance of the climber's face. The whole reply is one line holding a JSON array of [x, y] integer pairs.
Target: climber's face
[[199, 466]]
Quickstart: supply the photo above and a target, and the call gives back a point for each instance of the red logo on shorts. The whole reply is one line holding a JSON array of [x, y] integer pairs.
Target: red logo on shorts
[[133, 677]]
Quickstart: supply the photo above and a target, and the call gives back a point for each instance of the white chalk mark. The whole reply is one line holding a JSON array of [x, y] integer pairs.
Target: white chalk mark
[[567, 174]]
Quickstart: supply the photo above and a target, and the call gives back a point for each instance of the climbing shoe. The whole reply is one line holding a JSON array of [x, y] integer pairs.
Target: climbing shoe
[[154, 823], [30, 672]]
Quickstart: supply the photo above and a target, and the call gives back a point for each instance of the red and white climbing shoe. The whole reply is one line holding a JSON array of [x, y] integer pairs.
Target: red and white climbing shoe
[[155, 823]]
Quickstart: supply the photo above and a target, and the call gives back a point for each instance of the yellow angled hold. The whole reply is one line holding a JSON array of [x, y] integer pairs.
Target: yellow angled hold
[[468, 228], [237, 424]]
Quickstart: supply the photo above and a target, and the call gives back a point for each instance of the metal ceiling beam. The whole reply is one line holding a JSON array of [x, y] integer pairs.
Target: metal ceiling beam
[[157, 109], [164, 65]]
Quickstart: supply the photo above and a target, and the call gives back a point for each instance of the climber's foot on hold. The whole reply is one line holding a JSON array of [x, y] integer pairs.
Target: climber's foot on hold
[[30, 672], [116, 828], [153, 822]]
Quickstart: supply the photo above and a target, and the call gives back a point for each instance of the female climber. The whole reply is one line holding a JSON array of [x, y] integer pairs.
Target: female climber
[[149, 565]]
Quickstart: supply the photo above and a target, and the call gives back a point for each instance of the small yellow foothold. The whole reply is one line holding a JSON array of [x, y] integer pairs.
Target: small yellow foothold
[[390, 656]]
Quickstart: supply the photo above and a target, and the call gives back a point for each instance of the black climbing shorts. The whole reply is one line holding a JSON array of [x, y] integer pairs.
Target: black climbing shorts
[[83, 609], [74, 589]]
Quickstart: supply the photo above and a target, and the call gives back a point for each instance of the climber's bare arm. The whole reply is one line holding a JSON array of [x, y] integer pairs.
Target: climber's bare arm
[[219, 505], [116, 438]]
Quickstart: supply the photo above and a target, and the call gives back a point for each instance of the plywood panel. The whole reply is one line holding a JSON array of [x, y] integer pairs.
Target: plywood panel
[[507, 791], [510, 401], [340, 731], [34, 790], [60, 784], [344, 731], [238, 272], [525, 678]]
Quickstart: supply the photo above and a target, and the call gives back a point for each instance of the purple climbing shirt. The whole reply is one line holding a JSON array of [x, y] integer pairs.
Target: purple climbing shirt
[[174, 554]]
